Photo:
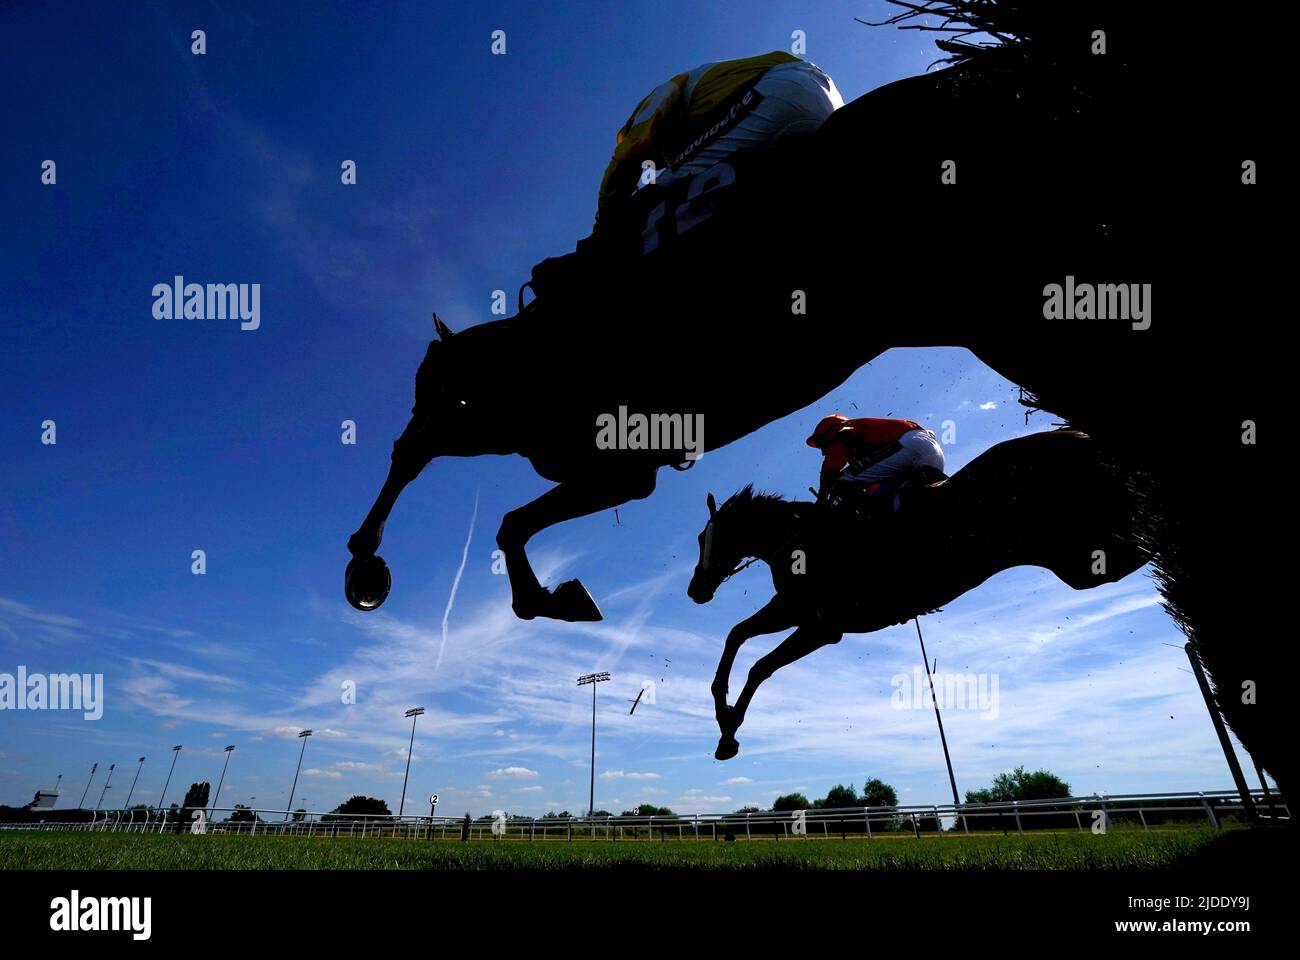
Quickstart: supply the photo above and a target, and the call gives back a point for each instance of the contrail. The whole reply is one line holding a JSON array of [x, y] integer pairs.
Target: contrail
[[455, 584]]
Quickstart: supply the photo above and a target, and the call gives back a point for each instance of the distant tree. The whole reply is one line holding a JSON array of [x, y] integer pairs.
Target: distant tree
[[196, 798], [877, 793], [648, 810], [562, 815], [744, 810], [359, 806], [838, 796], [242, 814], [791, 801], [1019, 784], [299, 814], [601, 813]]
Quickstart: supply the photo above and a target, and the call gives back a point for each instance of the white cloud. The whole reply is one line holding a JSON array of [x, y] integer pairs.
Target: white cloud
[[697, 801], [619, 775], [520, 773]]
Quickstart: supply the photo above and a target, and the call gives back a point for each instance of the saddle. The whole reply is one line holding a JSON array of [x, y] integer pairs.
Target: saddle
[[873, 502]]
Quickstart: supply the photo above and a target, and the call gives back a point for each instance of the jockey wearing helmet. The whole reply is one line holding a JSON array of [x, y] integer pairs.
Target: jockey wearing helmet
[[870, 457], [683, 145], [682, 135]]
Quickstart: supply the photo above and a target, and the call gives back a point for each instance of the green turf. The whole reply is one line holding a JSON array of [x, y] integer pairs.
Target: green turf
[[1166, 849]]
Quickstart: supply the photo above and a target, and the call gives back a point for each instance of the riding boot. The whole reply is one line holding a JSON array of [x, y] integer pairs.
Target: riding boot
[[598, 261]]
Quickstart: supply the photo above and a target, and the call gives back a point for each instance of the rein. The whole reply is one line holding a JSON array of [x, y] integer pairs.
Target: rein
[[768, 559]]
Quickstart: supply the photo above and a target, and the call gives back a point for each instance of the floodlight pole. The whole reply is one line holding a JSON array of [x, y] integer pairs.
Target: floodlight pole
[[134, 782], [593, 679], [82, 803], [413, 713], [176, 752], [302, 735], [228, 751], [107, 781], [952, 781]]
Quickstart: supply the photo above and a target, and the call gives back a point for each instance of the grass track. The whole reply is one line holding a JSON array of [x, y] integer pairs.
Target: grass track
[[1163, 850]]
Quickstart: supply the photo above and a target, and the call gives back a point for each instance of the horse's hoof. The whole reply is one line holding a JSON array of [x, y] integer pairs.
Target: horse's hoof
[[728, 747], [366, 582], [573, 603]]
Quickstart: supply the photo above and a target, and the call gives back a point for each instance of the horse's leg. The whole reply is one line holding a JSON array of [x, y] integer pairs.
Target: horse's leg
[[412, 452], [777, 614], [799, 644], [568, 500]]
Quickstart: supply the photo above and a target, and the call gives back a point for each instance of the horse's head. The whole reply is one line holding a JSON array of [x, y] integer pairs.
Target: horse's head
[[436, 385], [720, 552], [445, 418]]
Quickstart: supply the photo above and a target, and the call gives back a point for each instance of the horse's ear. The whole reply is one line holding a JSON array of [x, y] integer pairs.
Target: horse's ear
[[444, 332], [713, 506]]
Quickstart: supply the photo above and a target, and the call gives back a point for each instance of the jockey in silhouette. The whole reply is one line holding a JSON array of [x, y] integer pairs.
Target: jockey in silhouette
[[866, 461], [684, 144], [681, 136]]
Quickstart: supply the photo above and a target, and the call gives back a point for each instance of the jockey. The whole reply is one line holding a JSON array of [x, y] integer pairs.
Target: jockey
[[682, 146], [699, 120], [870, 457]]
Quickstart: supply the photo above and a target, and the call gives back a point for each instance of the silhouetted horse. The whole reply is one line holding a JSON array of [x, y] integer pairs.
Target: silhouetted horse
[[938, 210], [1047, 500]]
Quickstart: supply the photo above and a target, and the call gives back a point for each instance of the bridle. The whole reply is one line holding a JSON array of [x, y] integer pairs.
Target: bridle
[[708, 550]]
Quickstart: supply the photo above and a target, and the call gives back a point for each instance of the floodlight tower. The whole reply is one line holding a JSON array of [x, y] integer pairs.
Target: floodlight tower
[[302, 735], [593, 679], [93, 767], [133, 783], [228, 751], [412, 713], [176, 752], [111, 768]]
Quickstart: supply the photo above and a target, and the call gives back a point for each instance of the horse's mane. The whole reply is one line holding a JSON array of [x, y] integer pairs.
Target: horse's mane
[[747, 497]]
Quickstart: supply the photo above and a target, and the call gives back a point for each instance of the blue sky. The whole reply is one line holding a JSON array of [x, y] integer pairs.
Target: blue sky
[[177, 435]]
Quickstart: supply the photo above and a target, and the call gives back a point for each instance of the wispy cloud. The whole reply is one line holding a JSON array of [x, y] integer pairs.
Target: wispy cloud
[[455, 584]]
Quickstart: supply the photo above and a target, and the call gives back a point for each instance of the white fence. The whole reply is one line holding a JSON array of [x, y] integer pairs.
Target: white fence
[[1097, 813]]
